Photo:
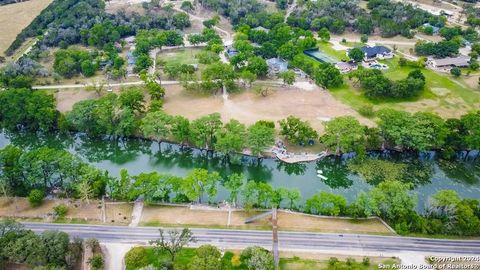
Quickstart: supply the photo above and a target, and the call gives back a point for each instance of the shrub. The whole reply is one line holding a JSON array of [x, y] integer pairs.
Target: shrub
[[236, 260], [367, 111], [60, 210], [136, 258], [96, 262], [35, 197], [364, 38], [456, 72]]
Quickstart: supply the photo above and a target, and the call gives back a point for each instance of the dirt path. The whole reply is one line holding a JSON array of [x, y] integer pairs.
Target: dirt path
[[136, 213], [114, 255]]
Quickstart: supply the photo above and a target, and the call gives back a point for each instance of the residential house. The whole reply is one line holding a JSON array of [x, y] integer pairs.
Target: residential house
[[376, 53], [449, 62], [346, 67], [277, 65]]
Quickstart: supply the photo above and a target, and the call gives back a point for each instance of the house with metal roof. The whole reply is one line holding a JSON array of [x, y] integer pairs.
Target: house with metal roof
[[277, 65], [449, 62]]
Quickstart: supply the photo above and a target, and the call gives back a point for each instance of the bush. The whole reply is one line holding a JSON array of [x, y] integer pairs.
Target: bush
[[96, 262], [60, 210], [35, 197], [367, 111], [136, 258], [456, 72], [364, 38]]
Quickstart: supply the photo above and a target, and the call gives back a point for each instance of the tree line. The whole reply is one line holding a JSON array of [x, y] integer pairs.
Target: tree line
[[125, 115], [48, 250]]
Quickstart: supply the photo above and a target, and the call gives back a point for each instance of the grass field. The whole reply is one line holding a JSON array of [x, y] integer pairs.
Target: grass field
[[78, 212], [15, 17], [445, 95], [183, 216]]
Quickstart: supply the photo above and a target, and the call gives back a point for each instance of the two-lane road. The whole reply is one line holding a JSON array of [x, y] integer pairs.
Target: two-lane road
[[288, 240]]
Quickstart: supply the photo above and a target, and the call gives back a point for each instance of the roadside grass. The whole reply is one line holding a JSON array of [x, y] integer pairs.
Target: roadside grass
[[297, 263], [183, 216], [311, 261]]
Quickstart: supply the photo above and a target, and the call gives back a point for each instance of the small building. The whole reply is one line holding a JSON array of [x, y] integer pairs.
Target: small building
[[130, 40], [345, 67], [131, 59], [260, 28], [231, 52], [376, 52], [449, 62], [435, 29], [277, 65]]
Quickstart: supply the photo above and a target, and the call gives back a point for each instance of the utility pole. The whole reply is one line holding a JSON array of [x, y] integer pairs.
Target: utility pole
[[276, 256]]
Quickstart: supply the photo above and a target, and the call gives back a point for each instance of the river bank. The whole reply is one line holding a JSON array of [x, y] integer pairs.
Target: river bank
[[139, 156]]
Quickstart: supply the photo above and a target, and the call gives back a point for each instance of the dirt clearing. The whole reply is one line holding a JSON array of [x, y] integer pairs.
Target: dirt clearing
[[155, 215], [15, 17], [315, 106]]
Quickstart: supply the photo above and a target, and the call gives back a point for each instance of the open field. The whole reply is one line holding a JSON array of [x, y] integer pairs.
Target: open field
[[157, 215], [15, 17], [315, 106], [77, 211]]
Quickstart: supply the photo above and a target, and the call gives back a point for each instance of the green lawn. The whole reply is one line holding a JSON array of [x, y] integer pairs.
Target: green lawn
[[326, 47], [179, 56], [305, 264], [446, 92]]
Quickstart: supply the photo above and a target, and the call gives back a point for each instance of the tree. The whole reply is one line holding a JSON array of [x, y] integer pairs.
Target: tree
[[173, 242], [133, 99], [84, 191], [344, 134], [247, 77], [456, 72], [258, 258], [198, 181], [324, 34], [293, 195], [287, 51], [204, 129], [207, 257], [180, 129], [326, 203], [220, 73], [231, 138], [392, 200], [234, 184], [157, 125], [259, 137], [60, 210], [35, 197], [56, 244], [356, 54], [364, 38], [288, 77], [257, 66], [296, 130], [328, 76]]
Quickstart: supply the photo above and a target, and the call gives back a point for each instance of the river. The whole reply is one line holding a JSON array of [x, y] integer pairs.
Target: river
[[138, 156]]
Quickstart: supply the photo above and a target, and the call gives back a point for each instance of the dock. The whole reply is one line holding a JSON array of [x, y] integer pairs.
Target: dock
[[296, 158]]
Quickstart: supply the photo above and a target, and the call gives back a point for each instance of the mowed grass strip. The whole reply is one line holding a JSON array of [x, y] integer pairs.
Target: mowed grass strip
[[181, 216], [15, 17]]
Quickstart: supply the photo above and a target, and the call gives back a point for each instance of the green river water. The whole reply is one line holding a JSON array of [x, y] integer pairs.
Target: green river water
[[138, 156]]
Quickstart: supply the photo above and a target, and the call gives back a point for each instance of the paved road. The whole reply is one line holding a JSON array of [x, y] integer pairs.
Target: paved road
[[288, 240]]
